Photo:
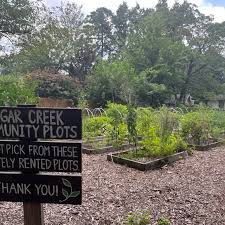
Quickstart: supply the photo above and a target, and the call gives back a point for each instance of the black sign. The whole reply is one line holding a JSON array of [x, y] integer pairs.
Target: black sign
[[29, 155], [40, 188], [40, 156], [46, 123]]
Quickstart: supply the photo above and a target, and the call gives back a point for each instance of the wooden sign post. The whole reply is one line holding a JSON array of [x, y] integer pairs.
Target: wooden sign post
[[33, 213], [22, 152]]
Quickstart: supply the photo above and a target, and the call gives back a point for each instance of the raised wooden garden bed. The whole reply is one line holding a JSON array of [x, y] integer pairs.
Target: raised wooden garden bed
[[206, 147], [88, 149], [96, 145], [149, 165], [94, 139]]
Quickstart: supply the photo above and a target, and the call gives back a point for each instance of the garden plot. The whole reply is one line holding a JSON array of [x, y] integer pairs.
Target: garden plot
[[144, 163], [154, 133], [99, 147], [108, 132]]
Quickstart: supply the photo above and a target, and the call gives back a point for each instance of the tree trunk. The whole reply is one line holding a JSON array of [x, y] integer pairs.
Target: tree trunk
[[186, 82], [102, 44]]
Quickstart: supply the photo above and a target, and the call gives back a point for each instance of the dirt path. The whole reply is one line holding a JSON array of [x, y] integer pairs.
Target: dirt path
[[190, 192]]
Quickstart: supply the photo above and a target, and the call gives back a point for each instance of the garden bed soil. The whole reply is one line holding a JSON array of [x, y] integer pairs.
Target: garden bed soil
[[88, 149], [149, 165]]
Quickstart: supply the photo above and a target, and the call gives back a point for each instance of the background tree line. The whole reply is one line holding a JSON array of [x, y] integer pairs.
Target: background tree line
[[134, 55]]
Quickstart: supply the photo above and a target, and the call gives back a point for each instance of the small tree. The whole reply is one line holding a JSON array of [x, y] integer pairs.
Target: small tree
[[112, 81]]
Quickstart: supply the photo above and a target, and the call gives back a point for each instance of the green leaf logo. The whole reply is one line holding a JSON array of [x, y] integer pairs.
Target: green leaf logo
[[70, 193], [75, 194], [65, 193], [66, 183]]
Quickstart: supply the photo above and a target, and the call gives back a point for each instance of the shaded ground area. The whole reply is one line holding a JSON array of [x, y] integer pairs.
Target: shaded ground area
[[190, 192]]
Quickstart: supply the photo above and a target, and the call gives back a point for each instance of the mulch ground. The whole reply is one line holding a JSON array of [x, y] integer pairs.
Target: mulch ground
[[190, 192]]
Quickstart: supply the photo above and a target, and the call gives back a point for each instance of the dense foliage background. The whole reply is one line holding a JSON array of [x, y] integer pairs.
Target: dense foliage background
[[135, 55]]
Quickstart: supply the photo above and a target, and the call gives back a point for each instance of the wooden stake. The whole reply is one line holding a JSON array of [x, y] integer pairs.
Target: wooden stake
[[33, 214]]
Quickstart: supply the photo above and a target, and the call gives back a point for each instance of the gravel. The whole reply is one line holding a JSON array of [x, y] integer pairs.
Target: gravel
[[190, 192]]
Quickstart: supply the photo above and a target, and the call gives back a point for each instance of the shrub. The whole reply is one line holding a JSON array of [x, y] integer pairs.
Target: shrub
[[160, 133], [155, 146], [95, 126], [56, 85], [16, 90], [196, 126], [218, 123]]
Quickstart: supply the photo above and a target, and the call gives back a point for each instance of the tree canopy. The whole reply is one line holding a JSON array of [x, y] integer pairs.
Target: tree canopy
[[134, 55]]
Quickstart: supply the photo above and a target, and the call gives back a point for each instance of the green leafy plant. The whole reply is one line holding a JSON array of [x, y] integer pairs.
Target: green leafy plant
[[146, 117], [154, 146], [96, 126], [118, 135], [160, 133], [218, 124], [131, 125], [138, 218], [196, 126], [16, 90], [168, 123], [163, 221], [116, 111], [117, 114]]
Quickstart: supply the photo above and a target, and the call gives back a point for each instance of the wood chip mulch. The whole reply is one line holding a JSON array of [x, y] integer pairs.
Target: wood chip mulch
[[190, 192]]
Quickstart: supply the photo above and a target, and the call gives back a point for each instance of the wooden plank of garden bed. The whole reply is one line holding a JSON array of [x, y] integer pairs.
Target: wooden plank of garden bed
[[207, 147], [106, 149], [154, 164]]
